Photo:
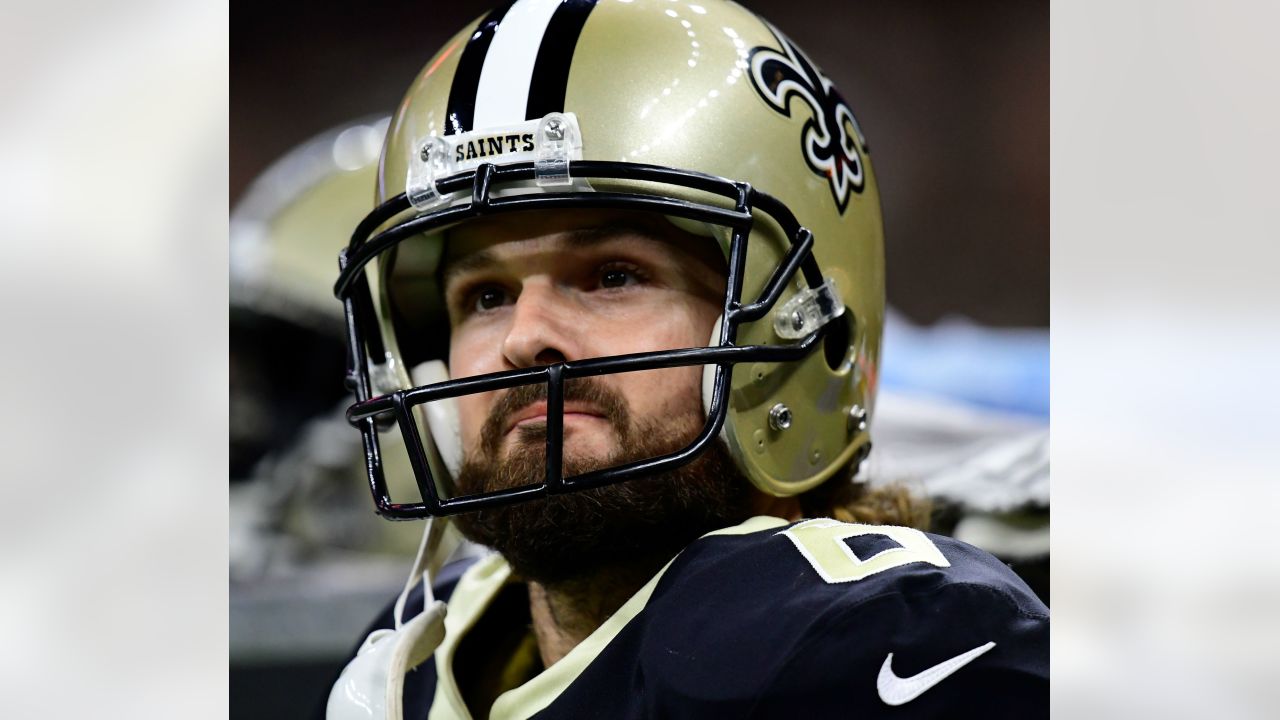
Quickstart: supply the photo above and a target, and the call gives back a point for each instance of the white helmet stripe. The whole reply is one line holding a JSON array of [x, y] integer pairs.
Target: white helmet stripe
[[503, 92]]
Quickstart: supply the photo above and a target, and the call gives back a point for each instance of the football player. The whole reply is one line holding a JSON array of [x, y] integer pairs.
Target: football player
[[622, 295]]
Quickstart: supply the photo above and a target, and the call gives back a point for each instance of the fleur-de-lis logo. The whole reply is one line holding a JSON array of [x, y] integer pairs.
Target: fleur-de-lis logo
[[831, 141]]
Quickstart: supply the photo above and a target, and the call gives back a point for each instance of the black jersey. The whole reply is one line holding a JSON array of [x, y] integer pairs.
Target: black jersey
[[774, 619]]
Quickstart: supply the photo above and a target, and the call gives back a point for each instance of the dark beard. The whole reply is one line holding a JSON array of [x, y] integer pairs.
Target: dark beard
[[632, 527]]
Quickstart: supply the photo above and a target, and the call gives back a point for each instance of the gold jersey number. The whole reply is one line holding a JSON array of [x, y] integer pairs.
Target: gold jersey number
[[821, 542]]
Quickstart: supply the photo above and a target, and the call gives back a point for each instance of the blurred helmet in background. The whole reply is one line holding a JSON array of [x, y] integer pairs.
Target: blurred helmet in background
[[296, 470]]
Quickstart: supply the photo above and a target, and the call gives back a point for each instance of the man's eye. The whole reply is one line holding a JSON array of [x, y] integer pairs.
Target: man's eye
[[490, 298], [616, 277]]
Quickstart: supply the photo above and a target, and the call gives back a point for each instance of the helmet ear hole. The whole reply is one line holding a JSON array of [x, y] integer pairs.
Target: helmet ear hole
[[838, 340]]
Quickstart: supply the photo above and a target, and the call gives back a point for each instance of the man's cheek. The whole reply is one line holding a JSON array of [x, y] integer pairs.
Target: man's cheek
[[690, 331], [681, 399], [663, 395], [471, 414]]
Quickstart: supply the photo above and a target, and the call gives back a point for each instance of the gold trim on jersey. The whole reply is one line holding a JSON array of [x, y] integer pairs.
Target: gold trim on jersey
[[476, 590]]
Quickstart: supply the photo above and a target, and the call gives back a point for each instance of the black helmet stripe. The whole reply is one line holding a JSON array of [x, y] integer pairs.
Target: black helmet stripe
[[518, 70], [551, 71], [462, 93]]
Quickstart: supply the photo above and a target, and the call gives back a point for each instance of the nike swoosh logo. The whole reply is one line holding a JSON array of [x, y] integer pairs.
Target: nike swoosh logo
[[896, 690]]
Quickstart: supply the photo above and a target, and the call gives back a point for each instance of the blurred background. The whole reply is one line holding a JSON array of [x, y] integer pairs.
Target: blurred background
[[954, 99]]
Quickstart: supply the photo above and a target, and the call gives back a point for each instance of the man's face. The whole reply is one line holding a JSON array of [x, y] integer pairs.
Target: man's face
[[538, 288], [535, 289]]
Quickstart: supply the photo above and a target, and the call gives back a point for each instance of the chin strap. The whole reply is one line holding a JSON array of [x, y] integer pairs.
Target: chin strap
[[371, 686]]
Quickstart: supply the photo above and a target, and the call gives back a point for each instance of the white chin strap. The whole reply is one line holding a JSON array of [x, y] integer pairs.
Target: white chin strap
[[371, 686]]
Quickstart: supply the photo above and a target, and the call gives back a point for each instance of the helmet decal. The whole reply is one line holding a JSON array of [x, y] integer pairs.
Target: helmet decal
[[515, 66], [831, 139]]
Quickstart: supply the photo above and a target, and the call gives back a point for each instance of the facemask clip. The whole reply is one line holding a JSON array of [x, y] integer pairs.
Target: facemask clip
[[556, 141], [426, 167], [808, 310]]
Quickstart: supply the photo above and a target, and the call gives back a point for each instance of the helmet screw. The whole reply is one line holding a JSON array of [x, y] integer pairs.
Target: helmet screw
[[797, 320], [779, 417], [857, 419], [555, 129], [426, 152]]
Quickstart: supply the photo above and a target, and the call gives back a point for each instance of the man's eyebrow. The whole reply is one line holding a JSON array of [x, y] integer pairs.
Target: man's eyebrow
[[573, 239], [467, 263]]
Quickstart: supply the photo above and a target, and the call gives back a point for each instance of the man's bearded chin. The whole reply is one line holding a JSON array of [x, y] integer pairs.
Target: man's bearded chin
[[644, 521]]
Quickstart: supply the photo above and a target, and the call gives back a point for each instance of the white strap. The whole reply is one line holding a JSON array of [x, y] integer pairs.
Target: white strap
[[371, 687], [439, 541]]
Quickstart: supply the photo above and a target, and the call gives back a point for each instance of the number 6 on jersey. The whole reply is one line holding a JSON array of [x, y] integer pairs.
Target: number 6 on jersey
[[821, 542]]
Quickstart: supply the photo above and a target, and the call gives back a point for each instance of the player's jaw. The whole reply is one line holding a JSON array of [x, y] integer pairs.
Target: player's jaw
[[644, 521]]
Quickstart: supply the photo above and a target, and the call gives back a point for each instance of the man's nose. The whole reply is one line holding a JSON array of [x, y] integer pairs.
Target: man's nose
[[543, 328]]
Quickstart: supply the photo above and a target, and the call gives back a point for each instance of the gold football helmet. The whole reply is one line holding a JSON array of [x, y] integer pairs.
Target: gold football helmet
[[699, 111]]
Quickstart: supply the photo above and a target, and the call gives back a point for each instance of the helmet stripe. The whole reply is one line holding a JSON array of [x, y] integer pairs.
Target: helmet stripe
[[516, 64], [504, 81], [462, 93], [551, 70]]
